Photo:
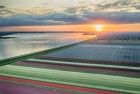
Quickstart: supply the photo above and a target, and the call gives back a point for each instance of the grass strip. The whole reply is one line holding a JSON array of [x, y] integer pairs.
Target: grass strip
[[107, 82], [84, 64]]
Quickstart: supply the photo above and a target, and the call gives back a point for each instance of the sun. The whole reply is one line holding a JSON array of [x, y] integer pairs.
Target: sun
[[98, 27]]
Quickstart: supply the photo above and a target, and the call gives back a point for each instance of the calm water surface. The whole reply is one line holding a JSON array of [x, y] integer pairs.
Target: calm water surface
[[26, 43]]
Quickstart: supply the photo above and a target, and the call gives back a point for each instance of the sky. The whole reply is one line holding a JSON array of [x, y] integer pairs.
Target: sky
[[65, 15]]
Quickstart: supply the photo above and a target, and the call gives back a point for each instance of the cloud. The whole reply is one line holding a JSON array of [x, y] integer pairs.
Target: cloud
[[2, 6], [20, 20], [119, 11], [137, 6], [5, 11], [76, 8], [119, 6], [66, 18], [118, 17]]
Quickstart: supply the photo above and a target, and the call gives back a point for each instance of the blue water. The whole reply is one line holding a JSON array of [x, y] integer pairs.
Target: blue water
[[114, 53], [26, 43]]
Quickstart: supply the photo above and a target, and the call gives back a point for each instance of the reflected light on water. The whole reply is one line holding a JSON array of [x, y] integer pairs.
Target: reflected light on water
[[32, 42]]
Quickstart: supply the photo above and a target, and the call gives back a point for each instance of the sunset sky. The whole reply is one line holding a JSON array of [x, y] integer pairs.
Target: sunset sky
[[69, 15]]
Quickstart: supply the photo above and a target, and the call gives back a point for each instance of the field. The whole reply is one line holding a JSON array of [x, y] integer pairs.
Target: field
[[82, 68]]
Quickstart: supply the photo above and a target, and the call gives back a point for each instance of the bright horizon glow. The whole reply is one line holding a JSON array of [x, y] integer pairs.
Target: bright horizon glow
[[77, 28], [98, 27]]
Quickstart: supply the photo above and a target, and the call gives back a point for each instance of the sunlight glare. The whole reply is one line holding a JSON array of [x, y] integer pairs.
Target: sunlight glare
[[98, 27]]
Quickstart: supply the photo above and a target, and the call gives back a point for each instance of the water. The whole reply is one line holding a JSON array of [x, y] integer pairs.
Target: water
[[114, 53], [26, 43]]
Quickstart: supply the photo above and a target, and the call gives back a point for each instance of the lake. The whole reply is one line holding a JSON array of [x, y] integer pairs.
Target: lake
[[25, 43]]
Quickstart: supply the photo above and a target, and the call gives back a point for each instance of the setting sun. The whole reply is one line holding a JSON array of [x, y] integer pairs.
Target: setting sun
[[98, 27]]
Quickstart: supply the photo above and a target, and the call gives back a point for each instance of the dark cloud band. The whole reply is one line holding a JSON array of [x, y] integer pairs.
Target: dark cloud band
[[64, 18]]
